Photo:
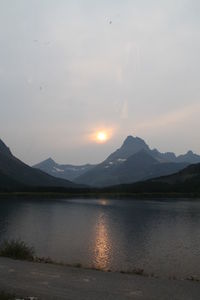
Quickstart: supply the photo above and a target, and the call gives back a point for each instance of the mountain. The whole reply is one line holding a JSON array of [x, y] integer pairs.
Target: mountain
[[184, 181], [164, 157], [130, 146], [189, 157], [4, 149], [133, 162], [14, 172], [139, 166], [133, 145], [184, 176], [69, 172], [142, 165], [7, 183]]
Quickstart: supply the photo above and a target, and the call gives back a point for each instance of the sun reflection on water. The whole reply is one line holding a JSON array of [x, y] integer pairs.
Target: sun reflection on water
[[103, 202], [102, 247]]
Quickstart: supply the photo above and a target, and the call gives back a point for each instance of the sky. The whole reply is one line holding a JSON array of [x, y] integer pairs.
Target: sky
[[71, 68]]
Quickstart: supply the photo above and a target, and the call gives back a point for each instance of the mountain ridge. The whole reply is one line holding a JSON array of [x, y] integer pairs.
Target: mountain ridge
[[68, 171], [139, 166], [186, 181], [4, 149], [17, 172], [117, 163]]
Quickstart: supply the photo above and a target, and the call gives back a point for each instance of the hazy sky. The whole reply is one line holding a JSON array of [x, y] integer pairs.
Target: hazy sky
[[71, 67]]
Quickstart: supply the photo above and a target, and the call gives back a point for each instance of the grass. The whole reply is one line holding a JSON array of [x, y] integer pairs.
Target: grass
[[16, 249]]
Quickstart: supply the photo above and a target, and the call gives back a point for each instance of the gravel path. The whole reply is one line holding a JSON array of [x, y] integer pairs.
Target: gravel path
[[49, 282]]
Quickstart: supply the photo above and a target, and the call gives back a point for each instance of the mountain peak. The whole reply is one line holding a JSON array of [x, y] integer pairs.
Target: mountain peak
[[50, 160], [4, 149], [130, 146], [48, 163], [190, 152], [131, 141]]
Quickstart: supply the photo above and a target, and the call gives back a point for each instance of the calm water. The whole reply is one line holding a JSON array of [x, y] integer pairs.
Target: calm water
[[162, 237]]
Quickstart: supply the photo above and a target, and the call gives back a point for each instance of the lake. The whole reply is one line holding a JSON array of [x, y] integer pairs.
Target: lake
[[160, 236]]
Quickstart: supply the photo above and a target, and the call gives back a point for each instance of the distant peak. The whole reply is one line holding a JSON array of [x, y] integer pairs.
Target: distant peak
[[50, 160], [130, 140], [190, 152], [4, 149]]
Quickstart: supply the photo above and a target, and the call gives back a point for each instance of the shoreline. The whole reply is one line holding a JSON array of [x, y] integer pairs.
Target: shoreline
[[52, 195], [51, 281], [133, 272]]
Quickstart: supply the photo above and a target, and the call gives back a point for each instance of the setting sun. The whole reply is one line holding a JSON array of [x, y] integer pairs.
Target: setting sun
[[101, 136]]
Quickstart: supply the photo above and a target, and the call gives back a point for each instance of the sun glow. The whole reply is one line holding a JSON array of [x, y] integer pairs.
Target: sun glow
[[101, 136]]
